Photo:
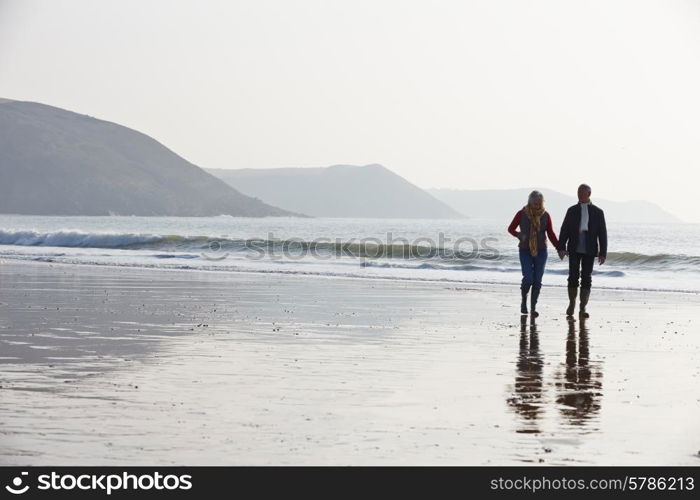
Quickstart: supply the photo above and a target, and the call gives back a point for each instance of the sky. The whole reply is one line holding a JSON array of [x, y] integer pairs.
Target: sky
[[454, 94]]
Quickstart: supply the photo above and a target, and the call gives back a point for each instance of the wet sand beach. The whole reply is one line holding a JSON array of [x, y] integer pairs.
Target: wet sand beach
[[121, 366]]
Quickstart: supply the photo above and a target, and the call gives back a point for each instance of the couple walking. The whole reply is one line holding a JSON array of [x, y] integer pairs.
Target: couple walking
[[582, 238]]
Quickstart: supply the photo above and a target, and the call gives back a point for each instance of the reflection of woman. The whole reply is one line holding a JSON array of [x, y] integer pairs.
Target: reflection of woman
[[534, 222], [527, 398]]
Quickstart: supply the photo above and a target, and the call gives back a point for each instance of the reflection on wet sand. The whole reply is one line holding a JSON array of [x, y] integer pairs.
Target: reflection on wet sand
[[527, 399], [579, 382], [133, 366]]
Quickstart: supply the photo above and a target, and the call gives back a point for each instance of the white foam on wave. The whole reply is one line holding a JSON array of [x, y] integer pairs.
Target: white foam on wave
[[344, 267], [68, 238]]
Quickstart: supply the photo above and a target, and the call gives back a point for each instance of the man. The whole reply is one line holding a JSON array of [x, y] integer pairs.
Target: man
[[583, 236]]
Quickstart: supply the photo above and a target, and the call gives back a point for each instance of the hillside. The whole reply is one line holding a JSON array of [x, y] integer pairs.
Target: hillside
[[56, 162], [503, 203], [370, 191]]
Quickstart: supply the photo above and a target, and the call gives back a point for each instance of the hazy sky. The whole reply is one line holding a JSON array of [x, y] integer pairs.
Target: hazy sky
[[461, 94]]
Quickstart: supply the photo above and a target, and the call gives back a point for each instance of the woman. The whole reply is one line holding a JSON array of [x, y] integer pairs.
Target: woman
[[534, 222]]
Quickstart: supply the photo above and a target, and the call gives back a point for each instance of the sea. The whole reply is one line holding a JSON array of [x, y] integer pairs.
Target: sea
[[663, 257]]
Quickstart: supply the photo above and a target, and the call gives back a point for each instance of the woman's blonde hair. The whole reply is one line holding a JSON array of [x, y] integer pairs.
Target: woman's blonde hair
[[535, 195]]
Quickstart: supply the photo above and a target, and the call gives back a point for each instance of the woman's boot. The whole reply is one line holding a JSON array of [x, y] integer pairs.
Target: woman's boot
[[524, 289], [585, 294], [573, 290], [533, 301]]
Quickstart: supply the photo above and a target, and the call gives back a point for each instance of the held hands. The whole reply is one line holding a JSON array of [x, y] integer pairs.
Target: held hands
[[564, 253]]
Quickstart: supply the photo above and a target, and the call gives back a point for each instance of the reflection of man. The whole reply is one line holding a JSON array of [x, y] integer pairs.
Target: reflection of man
[[579, 387], [583, 236]]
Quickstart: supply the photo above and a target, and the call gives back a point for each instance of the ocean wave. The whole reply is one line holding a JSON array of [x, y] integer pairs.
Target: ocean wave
[[475, 267], [176, 256], [366, 249], [383, 255], [76, 239], [437, 266], [650, 286], [660, 259]]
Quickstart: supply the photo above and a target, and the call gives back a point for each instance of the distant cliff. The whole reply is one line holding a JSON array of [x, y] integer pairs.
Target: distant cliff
[[503, 203], [370, 191], [56, 162]]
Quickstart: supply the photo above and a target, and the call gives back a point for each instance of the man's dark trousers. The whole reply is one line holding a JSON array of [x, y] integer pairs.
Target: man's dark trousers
[[580, 265]]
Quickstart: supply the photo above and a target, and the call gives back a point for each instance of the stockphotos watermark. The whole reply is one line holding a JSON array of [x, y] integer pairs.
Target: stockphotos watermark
[[367, 248], [102, 483]]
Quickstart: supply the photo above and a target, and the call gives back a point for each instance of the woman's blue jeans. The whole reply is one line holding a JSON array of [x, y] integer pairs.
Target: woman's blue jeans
[[533, 268]]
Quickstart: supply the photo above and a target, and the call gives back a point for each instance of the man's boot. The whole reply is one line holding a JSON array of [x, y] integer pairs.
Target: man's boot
[[585, 294], [573, 290], [524, 289], [533, 301]]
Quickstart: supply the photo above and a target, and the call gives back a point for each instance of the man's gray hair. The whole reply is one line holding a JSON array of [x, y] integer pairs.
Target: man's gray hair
[[535, 195], [586, 187]]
